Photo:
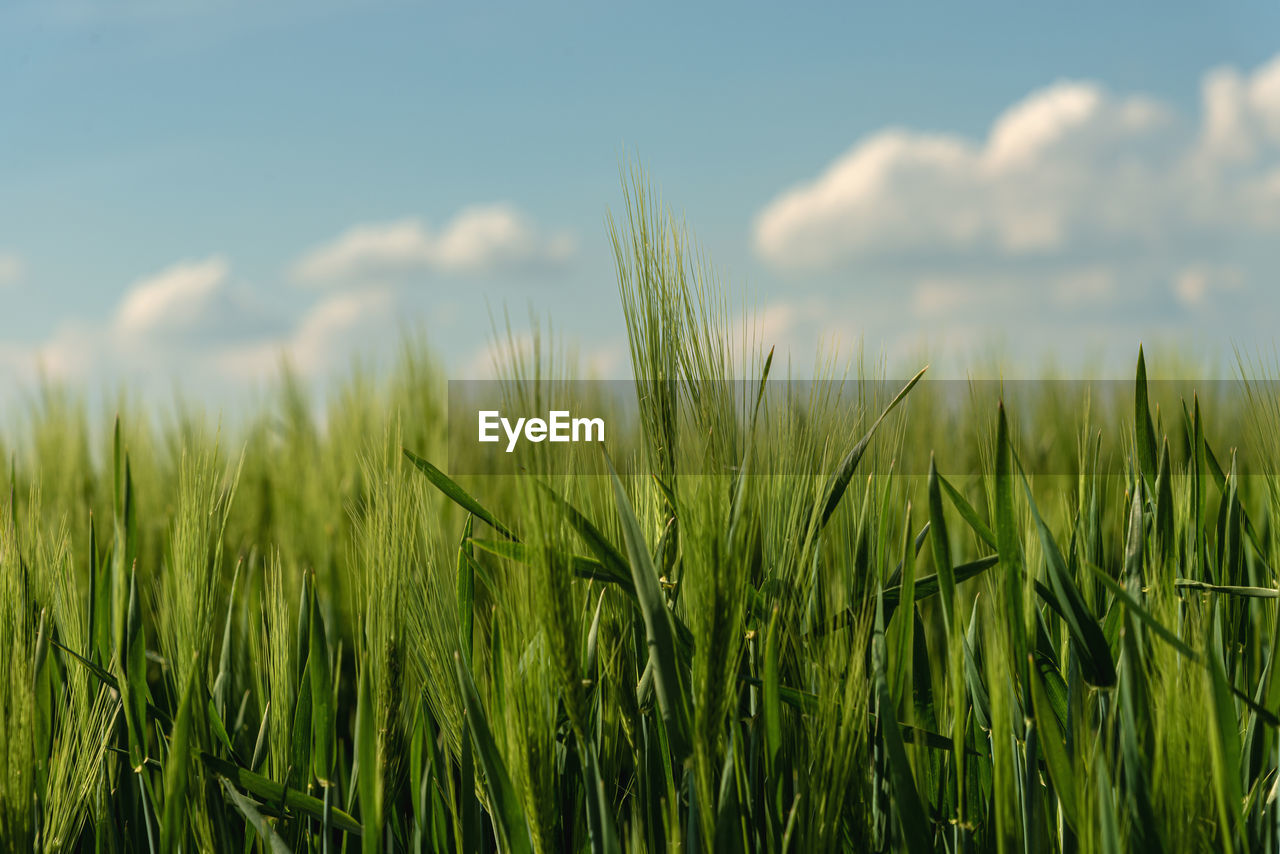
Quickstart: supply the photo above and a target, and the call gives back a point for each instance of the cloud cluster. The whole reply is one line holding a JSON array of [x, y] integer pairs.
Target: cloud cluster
[[323, 339], [1075, 194], [175, 300], [164, 325], [479, 240], [197, 320]]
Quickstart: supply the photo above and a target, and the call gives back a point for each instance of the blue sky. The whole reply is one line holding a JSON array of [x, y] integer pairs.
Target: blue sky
[[192, 188]]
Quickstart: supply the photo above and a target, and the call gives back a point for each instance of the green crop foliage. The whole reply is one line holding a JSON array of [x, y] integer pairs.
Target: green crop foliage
[[298, 633]]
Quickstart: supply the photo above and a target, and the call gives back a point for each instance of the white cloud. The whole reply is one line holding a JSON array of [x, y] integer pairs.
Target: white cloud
[[324, 338], [166, 325], [159, 325], [11, 268], [1070, 170], [1242, 112], [1194, 285], [935, 297], [495, 359], [74, 350], [955, 297], [607, 361], [777, 322], [172, 299], [482, 239]]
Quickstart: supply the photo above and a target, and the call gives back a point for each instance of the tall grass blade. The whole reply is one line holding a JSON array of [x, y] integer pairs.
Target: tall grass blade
[[457, 494], [659, 630], [844, 472], [508, 815]]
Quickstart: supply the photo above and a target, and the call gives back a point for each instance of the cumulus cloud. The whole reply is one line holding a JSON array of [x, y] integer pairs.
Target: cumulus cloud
[[324, 338], [173, 299], [192, 315], [960, 296], [1194, 285], [154, 324], [73, 351], [495, 358], [1241, 112], [196, 320], [1071, 170], [482, 239], [171, 323]]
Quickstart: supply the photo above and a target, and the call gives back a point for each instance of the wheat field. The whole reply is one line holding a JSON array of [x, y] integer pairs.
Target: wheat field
[[1054, 631]]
